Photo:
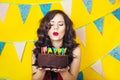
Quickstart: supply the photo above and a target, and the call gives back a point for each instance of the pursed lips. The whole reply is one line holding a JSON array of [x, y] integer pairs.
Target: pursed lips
[[55, 33]]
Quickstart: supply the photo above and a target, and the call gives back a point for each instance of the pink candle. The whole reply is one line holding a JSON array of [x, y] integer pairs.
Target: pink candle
[[43, 49]]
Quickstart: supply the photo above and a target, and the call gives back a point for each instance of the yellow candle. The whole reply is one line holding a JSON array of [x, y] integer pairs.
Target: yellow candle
[[59, 51], [65, 50]]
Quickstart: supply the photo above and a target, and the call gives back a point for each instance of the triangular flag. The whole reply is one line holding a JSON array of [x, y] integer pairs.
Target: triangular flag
[[4, 78], [99, 24], [115, 53], [24, 10], [19, 48], [98, 67], [80, 76], [1, 46], [3, 10], [88, 4], [45, 8], [116, 13], [112, 1], [81, 33], [67, 5]]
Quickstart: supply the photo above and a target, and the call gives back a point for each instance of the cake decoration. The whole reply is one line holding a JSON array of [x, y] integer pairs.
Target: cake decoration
[[43, 49], [49, 50], [53, 50], [51, 57]]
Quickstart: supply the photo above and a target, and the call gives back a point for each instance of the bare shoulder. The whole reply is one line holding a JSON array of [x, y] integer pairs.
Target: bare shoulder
[[76, 51]]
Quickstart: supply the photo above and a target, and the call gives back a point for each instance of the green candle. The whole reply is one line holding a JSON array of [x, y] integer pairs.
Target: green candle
[[49, 50]]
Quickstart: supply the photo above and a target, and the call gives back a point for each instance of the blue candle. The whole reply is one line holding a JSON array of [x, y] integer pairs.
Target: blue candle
[[54, 50], [65, 49]]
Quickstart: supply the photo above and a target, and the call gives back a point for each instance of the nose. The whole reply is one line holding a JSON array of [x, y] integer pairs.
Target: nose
[[56, 26]]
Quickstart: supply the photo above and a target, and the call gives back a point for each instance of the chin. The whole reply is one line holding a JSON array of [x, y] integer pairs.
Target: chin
[[55, 39]]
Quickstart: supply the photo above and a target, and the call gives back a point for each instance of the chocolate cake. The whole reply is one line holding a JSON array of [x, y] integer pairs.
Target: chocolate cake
[[52, 57], [52, 61]]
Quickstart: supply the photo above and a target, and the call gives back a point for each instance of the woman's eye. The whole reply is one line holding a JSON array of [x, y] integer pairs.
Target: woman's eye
[[60, 24]]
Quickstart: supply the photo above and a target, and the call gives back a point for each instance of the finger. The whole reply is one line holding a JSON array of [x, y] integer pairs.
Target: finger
[[53, 69], [63, 69], [34, 69], [59, 70], [47, 68], [68, 68], [40, 68]]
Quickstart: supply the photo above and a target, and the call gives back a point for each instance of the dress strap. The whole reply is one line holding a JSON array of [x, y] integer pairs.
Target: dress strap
[[47, 75], [59, 77]]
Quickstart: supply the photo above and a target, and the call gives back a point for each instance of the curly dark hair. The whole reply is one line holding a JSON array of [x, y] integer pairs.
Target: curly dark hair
[[44, 40]]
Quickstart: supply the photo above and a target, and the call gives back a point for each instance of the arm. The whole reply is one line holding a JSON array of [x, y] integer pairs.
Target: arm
[[37, 73], [74, 67]]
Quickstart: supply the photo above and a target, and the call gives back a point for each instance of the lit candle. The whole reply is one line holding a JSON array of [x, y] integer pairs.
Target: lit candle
[[49, 50], [54, 50], [43, 49], [65, 49], [59, 50]]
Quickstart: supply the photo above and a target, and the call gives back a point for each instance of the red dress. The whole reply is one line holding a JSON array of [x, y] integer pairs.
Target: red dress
[[49, 75]]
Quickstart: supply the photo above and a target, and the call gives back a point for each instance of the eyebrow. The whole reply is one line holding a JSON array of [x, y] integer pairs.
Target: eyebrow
[[58, 21]]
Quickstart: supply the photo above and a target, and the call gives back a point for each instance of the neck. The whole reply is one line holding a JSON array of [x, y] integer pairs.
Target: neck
[[57, 44]]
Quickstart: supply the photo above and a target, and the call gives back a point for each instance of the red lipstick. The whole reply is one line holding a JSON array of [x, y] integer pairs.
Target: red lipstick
[[55, 33]]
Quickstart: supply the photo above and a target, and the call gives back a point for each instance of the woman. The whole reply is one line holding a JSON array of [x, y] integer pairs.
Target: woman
[[56, 31]]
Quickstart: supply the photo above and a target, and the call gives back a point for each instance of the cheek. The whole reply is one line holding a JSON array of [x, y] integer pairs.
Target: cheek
[[62, 31], [49, 32]]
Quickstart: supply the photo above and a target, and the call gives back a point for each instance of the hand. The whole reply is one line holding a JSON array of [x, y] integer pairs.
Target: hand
[[44, 68], [36, 69], [61, 70]]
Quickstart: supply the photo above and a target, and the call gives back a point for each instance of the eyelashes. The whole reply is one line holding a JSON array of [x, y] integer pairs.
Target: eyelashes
[[55, 25], [58, 24]]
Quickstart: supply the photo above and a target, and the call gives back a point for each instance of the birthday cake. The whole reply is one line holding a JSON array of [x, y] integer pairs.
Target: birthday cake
[[52, 58]]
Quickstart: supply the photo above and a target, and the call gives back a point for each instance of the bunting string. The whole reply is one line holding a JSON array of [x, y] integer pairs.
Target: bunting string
[[45, 7], [101, 57], [116, 11], [57, 1]]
